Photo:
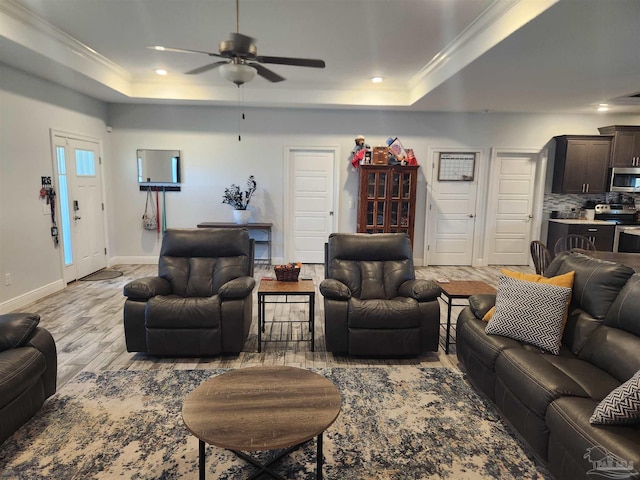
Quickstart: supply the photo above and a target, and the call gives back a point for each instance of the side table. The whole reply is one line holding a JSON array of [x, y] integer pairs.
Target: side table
[[276, 288], [459, 289]]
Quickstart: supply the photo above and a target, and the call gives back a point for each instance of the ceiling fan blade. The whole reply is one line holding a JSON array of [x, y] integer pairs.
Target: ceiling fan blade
[[264, 72], [204, 68], [242, 43], [182, 50], [297, 62]]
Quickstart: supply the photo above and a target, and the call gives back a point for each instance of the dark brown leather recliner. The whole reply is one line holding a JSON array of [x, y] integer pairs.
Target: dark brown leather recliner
[[374, 305], [28, 369], [201, 301]]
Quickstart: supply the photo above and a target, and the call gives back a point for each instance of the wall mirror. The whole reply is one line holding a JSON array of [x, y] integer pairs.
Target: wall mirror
[[158, 166]]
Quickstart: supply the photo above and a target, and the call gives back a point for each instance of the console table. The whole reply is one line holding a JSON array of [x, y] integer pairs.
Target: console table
[[252, 227]]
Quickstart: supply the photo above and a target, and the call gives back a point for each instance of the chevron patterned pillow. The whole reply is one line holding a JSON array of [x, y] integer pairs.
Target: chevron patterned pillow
[[529, 312], [621, 406]]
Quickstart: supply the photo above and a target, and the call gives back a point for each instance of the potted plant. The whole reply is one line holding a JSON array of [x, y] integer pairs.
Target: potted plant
[[239, 200]]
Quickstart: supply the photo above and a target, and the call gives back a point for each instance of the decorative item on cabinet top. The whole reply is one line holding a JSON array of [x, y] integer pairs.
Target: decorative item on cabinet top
[[391, 153]]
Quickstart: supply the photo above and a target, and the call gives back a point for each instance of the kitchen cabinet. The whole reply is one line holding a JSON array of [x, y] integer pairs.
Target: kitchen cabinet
[[387, 199], [581, 163], [599, 233], [626, 145]]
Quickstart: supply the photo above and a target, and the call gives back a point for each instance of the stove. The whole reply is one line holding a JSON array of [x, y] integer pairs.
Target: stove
[[625, 217], [617, 213]]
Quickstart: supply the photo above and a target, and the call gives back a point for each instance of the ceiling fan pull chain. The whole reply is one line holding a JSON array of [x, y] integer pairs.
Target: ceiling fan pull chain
[[240, 117]]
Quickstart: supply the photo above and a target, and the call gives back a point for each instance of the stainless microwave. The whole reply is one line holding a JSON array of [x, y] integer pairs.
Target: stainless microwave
[[624, 180]]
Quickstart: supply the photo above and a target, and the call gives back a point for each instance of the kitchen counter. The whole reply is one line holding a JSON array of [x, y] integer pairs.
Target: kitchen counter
[[577, 221], [632, 231]]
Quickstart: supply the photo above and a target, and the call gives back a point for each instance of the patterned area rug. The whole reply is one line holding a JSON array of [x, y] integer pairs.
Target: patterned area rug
[[396, 423]]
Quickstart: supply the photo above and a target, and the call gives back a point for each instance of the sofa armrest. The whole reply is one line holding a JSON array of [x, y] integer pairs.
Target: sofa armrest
[[480, 304], [334, 289], [147, 287], [420, 289], [240, 287], [16, 329]]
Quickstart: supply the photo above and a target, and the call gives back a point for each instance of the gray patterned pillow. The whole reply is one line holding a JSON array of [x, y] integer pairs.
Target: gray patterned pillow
[[529, 312], [621, 406]]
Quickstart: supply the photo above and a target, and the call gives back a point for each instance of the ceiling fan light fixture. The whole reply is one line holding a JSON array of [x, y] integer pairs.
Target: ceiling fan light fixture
[[237, 73]]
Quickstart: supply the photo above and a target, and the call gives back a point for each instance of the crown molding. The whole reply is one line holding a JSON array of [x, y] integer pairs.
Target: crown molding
[[67, 43], [497, 22]]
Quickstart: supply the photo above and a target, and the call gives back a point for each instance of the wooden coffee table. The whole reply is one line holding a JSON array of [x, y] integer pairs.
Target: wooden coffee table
[[290, 291], [262, 408], [460, 289]]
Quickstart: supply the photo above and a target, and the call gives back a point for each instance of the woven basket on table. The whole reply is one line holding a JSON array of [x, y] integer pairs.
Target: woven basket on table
[[287, 274]]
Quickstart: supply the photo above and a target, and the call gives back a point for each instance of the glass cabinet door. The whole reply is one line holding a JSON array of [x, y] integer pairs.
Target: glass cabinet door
[[387, 200]]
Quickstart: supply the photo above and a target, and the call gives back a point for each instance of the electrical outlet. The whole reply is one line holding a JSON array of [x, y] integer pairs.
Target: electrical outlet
[[352, 204], [7, 279]]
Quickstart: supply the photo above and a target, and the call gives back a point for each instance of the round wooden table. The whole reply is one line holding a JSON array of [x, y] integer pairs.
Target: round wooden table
[[261, 408]]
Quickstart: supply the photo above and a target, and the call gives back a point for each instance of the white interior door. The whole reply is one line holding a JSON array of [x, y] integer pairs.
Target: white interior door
[[451, 218], [309, 203], [510, 207], [81, 207]]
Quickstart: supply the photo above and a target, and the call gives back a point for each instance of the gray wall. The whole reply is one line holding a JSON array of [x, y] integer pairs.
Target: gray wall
[[29, 108], [212, 159]]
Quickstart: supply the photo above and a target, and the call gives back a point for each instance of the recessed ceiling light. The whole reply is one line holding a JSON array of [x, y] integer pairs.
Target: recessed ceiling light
[[161, 71], [158, 47], [603, 107], [376, 79]]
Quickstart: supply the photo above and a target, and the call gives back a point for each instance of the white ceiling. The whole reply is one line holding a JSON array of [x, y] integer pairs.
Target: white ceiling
[[547, 56]]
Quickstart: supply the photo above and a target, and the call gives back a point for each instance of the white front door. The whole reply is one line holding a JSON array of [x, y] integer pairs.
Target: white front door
[[451, 218], [309, 203], [510, 207], [81, 207]]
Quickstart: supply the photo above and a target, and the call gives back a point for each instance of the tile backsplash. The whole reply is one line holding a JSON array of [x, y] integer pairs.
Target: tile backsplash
[[566, 202]]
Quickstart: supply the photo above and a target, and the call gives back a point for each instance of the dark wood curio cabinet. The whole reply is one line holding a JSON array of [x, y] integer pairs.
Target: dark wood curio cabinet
[[387, 199]]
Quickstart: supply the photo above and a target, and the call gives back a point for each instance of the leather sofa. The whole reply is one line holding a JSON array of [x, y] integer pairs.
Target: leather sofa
[[373, 304], [549, 399], [28, 369], [201, 302]]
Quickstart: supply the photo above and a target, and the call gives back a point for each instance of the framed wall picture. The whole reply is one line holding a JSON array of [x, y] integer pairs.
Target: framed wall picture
[[456, 167]]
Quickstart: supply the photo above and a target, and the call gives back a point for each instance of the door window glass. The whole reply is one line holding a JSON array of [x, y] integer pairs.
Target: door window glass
[[64, 206], [85, 163]]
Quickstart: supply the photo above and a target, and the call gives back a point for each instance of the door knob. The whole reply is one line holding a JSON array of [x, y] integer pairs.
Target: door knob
[[470, 215], [76, 217]]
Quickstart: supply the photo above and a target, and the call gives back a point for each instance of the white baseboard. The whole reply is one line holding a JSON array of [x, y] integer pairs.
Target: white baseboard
[[30, 297]]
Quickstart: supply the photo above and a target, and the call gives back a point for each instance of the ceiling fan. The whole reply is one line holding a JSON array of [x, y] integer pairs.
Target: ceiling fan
[[242, 60]]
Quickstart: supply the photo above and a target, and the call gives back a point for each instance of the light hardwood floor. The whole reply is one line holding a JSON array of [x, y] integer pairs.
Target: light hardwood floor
[[85, 320]]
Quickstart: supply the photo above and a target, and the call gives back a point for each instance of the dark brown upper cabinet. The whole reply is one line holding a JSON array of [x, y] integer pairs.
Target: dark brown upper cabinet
[[626, 145], [581, 163]]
